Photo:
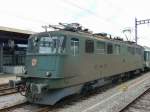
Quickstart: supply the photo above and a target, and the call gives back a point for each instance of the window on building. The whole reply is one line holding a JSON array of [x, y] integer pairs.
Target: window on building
[[109, 48], [74, 46], [89, 46], [117, 49], [100, 47]]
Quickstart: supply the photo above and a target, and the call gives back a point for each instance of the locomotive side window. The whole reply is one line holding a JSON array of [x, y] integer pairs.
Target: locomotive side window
[[138, 51], [74, 46], [131, 50], [89, 46], [100, 47], [109, 49], [117, 49]]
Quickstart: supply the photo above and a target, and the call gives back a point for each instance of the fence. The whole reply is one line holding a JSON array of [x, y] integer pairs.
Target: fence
[[13, 60]]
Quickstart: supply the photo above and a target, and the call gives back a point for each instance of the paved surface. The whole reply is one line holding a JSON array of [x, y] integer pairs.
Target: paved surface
[[11, 100], [142, 104], [112, 100]]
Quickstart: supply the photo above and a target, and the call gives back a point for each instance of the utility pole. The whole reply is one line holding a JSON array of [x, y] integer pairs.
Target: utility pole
[[1, 57], [139, 22], [136, 30]]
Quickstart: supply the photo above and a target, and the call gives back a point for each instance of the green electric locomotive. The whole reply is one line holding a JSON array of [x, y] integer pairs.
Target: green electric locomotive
[[71, 60]]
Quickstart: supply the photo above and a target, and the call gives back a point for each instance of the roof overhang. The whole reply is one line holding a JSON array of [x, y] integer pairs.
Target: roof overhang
[[7, 29]]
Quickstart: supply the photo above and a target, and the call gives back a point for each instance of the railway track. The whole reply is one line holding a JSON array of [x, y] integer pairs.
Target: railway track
[[6, 90], [140, 104], [23, 107], [70, 100], [8, 109]]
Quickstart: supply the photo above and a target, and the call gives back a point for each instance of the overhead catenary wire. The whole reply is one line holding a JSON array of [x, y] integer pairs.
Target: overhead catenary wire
[[69, 2]]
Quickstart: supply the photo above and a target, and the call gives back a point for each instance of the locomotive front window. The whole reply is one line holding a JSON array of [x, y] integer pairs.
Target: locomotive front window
[[47, 44], [52, 44]]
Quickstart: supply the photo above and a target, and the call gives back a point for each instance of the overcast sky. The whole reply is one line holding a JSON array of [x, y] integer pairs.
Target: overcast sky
[[111, 16]]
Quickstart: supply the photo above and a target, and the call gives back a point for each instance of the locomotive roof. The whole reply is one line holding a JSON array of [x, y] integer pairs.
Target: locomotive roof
[[88, 35]]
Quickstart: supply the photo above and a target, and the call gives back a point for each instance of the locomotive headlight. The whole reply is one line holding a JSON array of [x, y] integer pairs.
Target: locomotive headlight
[[48, 74]]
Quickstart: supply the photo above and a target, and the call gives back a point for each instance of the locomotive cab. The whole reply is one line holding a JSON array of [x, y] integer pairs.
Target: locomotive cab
[[44, 64], [45, 55]]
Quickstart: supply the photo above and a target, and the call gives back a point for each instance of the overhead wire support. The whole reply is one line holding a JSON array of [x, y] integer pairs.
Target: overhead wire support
[[139, 22], [143, 21]]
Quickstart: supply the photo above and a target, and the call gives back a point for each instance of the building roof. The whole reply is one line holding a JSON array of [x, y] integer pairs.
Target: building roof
[[2, 28]]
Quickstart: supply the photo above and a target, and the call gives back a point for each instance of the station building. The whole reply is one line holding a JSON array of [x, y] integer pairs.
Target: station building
[[13, 45]]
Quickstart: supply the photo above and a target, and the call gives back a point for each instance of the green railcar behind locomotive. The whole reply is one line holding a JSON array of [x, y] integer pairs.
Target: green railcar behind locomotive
[[60, 63], [147, 57]]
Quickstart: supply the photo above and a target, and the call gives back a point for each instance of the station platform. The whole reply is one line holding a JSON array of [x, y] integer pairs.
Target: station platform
[[4, 78]]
